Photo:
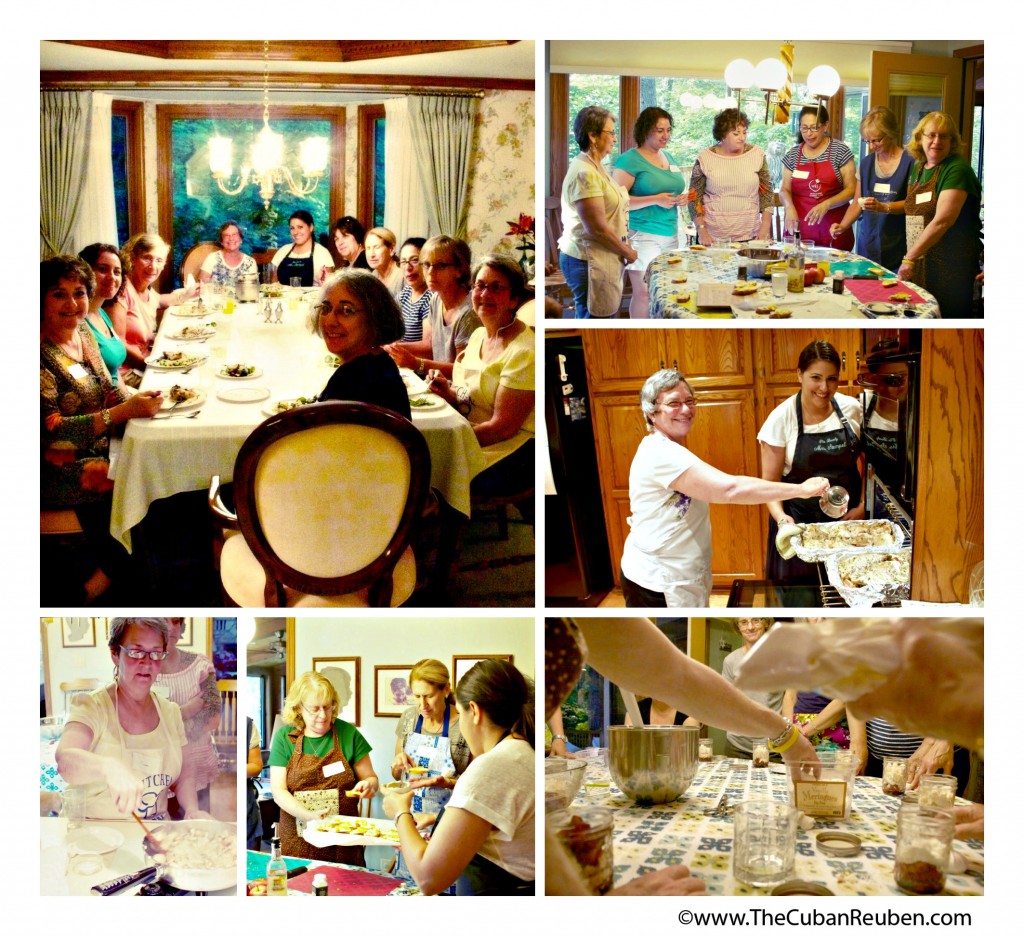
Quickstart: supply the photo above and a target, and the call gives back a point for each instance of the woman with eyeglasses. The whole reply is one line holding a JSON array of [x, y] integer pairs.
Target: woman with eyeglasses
[[319, 766], [414, 296], [818, 181], [666, 560], [881, 231], [750, 630], [356, 316], [943, 210], [122, 744]]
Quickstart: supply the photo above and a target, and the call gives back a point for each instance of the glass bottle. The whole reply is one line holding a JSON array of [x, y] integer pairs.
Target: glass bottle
[[795, 268], [277, 870]]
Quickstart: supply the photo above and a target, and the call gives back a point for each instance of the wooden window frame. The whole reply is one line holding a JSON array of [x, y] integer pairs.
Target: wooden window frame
[[369, 114], [132, 112]]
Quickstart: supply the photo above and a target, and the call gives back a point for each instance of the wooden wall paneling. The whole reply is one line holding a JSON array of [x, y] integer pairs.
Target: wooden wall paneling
[[949, 531], [558, 141], [629, 110], [369, 114], [619, 360], [132, 111], [712, 357], [781, 349]]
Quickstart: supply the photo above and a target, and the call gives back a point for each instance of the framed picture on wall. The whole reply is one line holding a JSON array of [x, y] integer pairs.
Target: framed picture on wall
[[185, 640], [343, 672], [391, 690], [463, 664], [78, 632]]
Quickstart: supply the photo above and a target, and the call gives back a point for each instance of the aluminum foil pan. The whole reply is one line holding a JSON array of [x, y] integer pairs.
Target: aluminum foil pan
[[820, 555], [866, 595]]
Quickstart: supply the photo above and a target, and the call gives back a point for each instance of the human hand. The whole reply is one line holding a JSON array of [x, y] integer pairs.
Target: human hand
[[442, 783], [871, 204], [666, 200], [558, 748], [424, 820], [401, 763], [816, 213], [933, 755], [197, 814], [630, 253], [124, 787], [367, 789], [835, 230], [402, 356], [814, 487], [439, 384], [805, 729], [906, 272], [855, 513], [802, 751], [674, 881], [144, 405], [395, 803], [792, 219], [970, 821]]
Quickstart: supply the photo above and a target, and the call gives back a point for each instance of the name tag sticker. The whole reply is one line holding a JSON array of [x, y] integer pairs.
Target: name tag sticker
[[336, 768], [78, 371], [801, 174], [883, 187], [923, 197]]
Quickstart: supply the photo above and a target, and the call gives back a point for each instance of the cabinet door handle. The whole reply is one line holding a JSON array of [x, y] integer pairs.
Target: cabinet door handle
[[661, 365], [675, 364], [844, 361]]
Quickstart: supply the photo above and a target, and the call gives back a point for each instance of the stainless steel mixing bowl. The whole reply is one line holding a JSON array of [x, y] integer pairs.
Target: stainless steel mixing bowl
[[653, 765]]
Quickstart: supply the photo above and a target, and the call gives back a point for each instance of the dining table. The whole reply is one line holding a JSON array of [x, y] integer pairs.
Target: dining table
[[674, 277], [697, 831], [343, 880], [183, 447]]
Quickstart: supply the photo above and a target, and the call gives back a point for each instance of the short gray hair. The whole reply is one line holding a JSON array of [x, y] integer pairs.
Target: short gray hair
[[384, 315], [654, 386], [590, 122], [119, 625]]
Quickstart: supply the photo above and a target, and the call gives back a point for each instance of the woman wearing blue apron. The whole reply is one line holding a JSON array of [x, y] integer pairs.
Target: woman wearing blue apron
[[303, 259], [816, 433]]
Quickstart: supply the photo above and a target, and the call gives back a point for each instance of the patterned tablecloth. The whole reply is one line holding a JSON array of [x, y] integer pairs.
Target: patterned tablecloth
[[648, 838], [50, 780], [716, 265]]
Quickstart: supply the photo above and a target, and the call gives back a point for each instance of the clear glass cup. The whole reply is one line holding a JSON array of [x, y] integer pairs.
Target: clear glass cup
[[705, 749], [780, 285], [938, 790], [894, 775], [760, 754], [72, 806], [587, 835], [295, 282], [764, 842], [924, 840]]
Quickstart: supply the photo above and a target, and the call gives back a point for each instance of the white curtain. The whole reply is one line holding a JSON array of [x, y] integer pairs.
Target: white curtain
[[64, 128], [442, 137], [97, 215], [405, 204]]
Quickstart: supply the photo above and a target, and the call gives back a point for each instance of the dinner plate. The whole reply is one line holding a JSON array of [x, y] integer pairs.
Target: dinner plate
[[430, 401], [881, 308], [206, 333], [243, 394], [168, 404], [190, 360], [190, 311], [323, 839], [257, 372], [271, 406], [93, 840]]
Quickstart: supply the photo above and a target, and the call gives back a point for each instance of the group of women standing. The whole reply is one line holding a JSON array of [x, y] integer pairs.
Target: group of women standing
[[474, 749], [916, 210]]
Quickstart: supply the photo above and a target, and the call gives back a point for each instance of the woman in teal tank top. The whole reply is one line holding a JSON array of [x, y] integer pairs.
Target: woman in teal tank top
[[105, 262]]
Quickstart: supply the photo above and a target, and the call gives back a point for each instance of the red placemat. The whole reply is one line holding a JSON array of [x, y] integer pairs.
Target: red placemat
[[344, 881], [874, 291]]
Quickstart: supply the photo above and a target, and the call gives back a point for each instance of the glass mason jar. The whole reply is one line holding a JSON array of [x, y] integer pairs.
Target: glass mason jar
[[894, 775], [938, 790], [587, 835], [924, 839], [705, 749]]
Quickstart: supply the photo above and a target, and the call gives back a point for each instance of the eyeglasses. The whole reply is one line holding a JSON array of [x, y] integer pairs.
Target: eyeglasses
[[810, 128], [316, 709], [345, 310], [428, 266], [609, 132], [875, 141], [155, 655], [674, 406], [496, 288], [755, 624], [930, 137], [411, 262]]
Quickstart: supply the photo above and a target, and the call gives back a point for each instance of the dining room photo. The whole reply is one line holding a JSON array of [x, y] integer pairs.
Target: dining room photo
[[791, 179], [762, 467], [286, 323]]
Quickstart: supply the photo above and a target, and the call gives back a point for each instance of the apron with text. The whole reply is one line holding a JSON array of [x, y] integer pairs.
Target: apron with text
[[296, 266], [831, 455], [811, 183], [306, 772], [604, 268]]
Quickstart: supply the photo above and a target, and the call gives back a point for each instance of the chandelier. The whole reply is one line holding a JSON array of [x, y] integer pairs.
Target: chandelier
[[265, 166], [774, 76]]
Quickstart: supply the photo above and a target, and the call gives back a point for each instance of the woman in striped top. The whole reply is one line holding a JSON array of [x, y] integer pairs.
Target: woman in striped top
[[191, 682]]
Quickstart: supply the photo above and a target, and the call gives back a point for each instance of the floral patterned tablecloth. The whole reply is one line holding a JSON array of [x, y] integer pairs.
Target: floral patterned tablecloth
[[714, 265], [648, 838]]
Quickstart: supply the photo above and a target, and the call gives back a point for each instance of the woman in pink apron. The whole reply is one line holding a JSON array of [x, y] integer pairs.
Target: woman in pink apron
[[818, 181]]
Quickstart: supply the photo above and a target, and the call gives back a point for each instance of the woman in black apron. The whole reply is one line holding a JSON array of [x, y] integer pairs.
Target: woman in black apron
[[831, 452], [305, 259]]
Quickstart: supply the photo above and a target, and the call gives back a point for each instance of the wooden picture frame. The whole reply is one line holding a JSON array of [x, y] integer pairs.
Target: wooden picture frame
[[78, 632], [392, 693], [463, 664], [187, 632], [343, 672]]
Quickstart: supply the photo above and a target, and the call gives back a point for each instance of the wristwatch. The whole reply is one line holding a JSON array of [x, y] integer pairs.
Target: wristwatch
[[559, 737]]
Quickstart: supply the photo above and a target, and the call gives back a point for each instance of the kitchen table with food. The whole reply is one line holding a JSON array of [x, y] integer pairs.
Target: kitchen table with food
[[110, 858], [703, 282], [341, 880], [222, 374], [697, 830]]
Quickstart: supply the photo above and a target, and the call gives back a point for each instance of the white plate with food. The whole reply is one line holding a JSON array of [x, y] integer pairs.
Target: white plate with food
[[194, 333], [180, 398], [426, 401], [817, 541], [240, 372], [880, 308], [283, 404], [190, 310], [175, 360], [863, 579], [243, 394], [351, 830]]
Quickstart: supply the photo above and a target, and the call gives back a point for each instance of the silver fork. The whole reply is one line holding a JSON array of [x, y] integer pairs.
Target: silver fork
[[169, 415]]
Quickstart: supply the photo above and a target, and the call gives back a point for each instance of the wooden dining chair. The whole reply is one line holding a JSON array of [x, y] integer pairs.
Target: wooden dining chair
[[326, 499], [194, 259]]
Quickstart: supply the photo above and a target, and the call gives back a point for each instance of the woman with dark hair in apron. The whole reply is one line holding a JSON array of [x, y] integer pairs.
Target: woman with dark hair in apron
[[315, 760], [813, 434], [303, 259], [818, 181]]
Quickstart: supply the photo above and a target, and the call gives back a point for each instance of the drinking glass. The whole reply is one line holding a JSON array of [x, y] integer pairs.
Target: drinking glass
[[764, 844], [780, 284]]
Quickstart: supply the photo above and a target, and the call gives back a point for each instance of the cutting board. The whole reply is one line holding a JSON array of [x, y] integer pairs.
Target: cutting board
[[711, 296], [856, 269]]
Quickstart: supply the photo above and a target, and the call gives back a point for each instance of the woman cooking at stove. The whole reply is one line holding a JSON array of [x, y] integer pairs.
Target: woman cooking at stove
[[815, 433], [818, 181], [666, 560]]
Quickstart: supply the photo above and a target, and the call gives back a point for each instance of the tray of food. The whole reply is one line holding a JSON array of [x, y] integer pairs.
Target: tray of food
[[865, 578], [350, 830], [817, 541]]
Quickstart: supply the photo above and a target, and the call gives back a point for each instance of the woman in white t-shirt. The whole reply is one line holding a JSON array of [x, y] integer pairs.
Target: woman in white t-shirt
[[666, 560], [483, 840]]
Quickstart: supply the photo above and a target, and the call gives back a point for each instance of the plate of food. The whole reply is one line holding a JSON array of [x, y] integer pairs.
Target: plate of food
[[180, 398], [426, 401], [283, 404], [190, 310], [243, 394], [880, 308], [194, 333], [175, 360], [351, 830], [240, 372]]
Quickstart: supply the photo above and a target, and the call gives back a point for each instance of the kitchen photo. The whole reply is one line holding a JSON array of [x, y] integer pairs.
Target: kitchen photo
[[764, 467], [764, 756], [390, 757], [138, 756]]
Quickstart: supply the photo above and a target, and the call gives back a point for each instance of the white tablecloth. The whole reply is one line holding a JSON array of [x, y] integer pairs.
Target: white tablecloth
[[158, 458]]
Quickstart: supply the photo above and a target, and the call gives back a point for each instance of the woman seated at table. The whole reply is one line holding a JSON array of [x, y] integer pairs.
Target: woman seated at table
[[666, 561], [818, 180], [943, 217], [78, 408], [882, 231], [303, 259], [484, 840], [356, 316], [414, 296], [136, 312], [349, 235], [380, 254], [493, 382], [446, 332], [315, 761], [731, 196], [122, 744], [815, 433], [224, 266], [106, 267]]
